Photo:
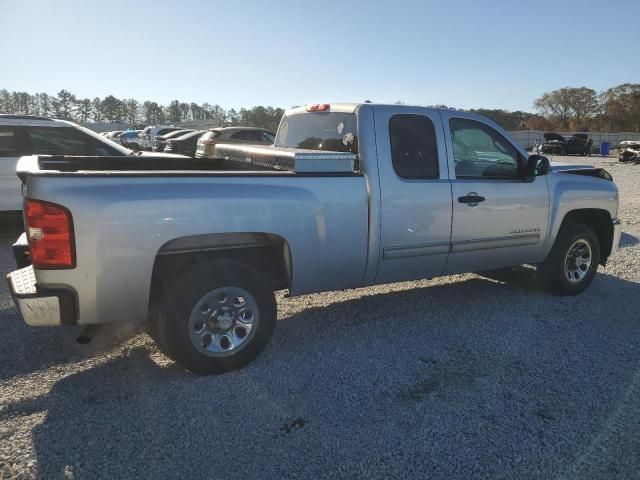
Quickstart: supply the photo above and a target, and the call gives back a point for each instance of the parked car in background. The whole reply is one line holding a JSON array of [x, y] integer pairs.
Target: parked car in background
[[629, 151], [131, 139], [114, 136], [184, 144], [31, 135], [241, 135], [160, 141], [149, 133], [557, 144]]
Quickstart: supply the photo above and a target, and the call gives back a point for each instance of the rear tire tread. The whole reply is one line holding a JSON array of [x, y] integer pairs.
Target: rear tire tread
[[169, 316]]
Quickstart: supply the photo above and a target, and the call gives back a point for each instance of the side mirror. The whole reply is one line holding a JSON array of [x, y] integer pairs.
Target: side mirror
[[536, 165]]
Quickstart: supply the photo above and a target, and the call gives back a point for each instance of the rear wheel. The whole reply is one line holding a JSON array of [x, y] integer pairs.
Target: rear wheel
[[573, 261], [216, 318]]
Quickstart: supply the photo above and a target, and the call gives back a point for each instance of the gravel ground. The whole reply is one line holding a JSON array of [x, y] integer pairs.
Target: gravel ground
[[460, 377]]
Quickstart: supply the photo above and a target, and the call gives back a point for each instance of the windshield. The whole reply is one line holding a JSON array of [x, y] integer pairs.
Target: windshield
[[334, 131]]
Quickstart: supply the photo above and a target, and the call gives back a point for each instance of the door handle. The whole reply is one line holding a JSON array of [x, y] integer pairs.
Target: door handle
[[472, 199]]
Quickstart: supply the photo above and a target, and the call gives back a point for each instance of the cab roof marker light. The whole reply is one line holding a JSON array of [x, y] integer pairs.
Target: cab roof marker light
[[318, 107]]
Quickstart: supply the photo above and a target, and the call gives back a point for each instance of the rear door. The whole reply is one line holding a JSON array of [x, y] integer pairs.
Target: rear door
[[498, 219], [415, 193]]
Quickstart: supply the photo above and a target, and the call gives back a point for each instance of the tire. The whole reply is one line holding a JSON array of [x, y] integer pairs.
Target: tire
[[157, 331], [215, 318], [573, 261]]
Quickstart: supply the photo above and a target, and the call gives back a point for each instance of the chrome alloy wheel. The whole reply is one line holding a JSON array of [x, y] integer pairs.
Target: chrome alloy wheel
[[223, 321], [577, 262]]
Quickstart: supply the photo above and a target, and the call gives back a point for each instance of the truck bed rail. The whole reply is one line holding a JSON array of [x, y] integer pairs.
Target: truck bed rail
[[229, 158]]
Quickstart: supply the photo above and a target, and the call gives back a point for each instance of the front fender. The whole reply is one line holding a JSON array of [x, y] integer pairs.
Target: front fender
[[570, 193]]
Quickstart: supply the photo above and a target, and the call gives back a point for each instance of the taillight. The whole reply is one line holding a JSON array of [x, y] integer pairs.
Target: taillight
[[50, 234], [207, 142], [318, 107]]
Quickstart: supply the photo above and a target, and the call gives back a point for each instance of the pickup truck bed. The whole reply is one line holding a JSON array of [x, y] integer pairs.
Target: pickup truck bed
[[119, 231]]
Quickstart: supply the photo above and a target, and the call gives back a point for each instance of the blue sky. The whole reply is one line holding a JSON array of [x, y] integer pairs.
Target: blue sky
[[466, 54]]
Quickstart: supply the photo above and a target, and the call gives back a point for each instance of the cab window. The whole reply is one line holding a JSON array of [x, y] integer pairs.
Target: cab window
[[414, 152], [479, 151]]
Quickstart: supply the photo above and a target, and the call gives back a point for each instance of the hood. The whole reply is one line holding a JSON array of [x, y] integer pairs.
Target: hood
[[549, 136], [560, 166], [585, 170]]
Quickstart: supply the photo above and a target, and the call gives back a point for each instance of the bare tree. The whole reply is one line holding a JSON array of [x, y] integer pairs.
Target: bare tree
[[174, 114], [84, 108], [131, 110], [568, 107], [621, 107], [152, 112], [96, 109], [63, 104]]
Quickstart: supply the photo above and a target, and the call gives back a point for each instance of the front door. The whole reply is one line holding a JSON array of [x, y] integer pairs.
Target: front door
[[415, 194], [498, 219]]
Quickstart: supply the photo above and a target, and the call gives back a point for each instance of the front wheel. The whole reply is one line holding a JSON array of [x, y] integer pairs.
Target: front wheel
[[215, 318], [573, 261]]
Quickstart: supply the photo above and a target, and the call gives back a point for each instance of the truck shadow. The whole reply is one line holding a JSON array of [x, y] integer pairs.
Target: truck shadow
[[28, 349], [109, 416], [33, 349], [627, 240], [56, 346]]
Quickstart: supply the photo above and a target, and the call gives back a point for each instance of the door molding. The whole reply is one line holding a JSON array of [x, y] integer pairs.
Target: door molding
[[390, 253], [496, 242]]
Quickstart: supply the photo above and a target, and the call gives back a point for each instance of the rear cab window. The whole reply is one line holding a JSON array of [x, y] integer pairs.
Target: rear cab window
[[329, 131]]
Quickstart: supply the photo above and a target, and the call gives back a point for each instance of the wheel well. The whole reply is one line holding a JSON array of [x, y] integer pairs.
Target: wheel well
[[267, 253], [600, 221]]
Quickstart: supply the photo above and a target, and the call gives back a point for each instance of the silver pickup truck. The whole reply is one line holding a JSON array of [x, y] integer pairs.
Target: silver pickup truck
[[350, 195]]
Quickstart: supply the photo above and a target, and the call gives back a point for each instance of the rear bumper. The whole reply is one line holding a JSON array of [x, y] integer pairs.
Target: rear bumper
[[617, 232], [39, 306]]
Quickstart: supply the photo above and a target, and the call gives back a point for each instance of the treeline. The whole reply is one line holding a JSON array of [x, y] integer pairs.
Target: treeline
[[65, 105], [583, 109], [578, 109], [572, 108]]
